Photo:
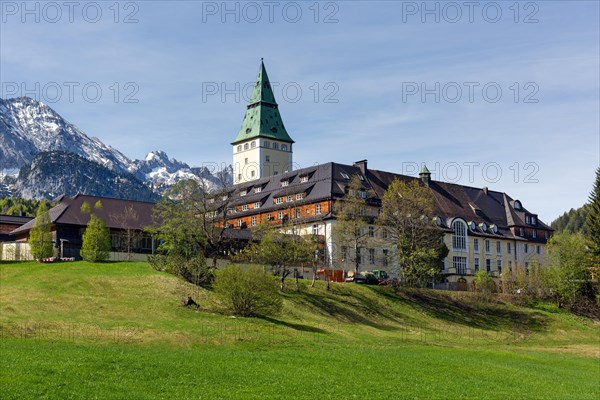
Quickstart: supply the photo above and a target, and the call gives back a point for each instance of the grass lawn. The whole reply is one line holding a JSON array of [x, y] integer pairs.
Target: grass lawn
[[116, 330]]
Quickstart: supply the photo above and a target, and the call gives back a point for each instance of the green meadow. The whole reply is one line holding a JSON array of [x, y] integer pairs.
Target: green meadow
[[118, 330]]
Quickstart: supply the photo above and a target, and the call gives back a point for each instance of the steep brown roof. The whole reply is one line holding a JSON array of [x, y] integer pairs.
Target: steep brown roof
[[68, 212]]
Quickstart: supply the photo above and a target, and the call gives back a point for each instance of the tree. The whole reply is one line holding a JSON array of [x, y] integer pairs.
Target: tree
[[593, 227], [248, 292], [191, 218], [96, 238], [128, 236], [280, 251], [484, 282], [351, 226], [566, 275], [406, 214], [40, 237]]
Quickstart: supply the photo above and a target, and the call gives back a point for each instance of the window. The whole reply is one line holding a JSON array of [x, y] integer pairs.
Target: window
[[280, 215], [252, 173], [358, 256], [518, 205], [487, 246], [459, 235], [546, 234], [211, 201], [498, 247], [279, 200], [299, 196], [239, 223], [318, 209], [345, 175], [239, 148], [509, 248], [476, 245], [385, 257], [534, 233], [499, 265], [521, 233], [526, 248], [246, 146], [253, 144], [384, 234], [533, 220], [538, 249], [371, 231], [276, 146], [362, 194], [269, 217], [266, 144], [257, 205], [476, 263], [224, 198], [315, 229], [297, 213], [267, 158], [362, 178], [361, 211], [245, 207], [488, 265], [257, 189], [284, 147], [285, 183], [371, 256], [459, 264], [527, 220], [303, 179], [253, 221], [288, 199], [510, 266], [243, 193]]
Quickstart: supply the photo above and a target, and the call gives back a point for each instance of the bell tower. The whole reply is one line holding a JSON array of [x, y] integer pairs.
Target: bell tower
[[262, 147]]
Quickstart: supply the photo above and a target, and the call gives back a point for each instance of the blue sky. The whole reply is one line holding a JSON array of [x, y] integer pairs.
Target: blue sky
[[391, 82]]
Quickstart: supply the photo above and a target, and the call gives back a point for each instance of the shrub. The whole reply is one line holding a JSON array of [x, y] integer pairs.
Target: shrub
[[193, 270], [249, 292]]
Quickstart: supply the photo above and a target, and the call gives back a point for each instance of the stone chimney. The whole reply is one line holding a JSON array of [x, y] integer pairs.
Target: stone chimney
[[485, 190], [362, 165]]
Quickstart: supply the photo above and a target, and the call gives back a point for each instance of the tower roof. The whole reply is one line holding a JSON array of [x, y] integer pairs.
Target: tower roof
[[262, 117], [424, 170]]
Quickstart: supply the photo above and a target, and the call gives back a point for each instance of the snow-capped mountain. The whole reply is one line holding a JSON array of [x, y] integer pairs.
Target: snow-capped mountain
[[29, 127]]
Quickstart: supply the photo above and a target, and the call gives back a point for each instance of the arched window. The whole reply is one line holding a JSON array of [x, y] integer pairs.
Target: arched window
[[246, 146], [459, 235], [239, 148], [283, 147], [253, 145]]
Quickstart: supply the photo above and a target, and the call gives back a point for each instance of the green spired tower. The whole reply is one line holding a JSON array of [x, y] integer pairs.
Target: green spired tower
[[262, 147]]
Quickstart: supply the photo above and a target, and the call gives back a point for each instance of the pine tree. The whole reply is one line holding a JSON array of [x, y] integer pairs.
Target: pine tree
[[593, 218], [40, 237], [96, 238]]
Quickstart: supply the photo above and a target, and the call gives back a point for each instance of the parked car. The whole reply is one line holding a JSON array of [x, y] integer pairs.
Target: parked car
[[366, 278]]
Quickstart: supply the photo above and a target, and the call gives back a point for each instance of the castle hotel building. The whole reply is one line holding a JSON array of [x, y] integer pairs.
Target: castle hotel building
[[483, 228]]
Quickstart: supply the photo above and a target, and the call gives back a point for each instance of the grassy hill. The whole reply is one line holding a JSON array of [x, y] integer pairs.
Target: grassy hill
[[116, 330]]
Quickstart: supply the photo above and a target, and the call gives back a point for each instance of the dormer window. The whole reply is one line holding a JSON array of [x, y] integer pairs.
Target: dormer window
[[243, 193], [362, 194], [521, 232], [345, 175], [304, 179], [518, 205], [279, 200], [534, 220], [483, 227], [257, 189], [472, 225], [494, 228], [285, 183], [362, 178], [527, 219], [299, 196], [284, 147], [257, 205]]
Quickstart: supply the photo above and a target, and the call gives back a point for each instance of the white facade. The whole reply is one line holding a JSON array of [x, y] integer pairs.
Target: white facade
[[259, 158]]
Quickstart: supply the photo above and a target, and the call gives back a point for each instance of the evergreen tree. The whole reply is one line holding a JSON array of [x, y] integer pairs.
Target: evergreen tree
[[593, 218], [96, 238], [40, 237]]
